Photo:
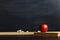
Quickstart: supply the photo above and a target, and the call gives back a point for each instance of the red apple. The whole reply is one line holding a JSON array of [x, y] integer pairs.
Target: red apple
[[44, 28]]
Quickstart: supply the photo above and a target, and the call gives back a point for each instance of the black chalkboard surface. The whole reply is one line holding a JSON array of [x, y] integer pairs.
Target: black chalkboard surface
[[28, 14]]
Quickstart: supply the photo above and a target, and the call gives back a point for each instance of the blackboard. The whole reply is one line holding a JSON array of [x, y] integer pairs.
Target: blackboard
[[28, 14]]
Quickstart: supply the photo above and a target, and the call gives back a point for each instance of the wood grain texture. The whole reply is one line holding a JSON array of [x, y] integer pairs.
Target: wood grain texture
[[47, 34], [43, 34]]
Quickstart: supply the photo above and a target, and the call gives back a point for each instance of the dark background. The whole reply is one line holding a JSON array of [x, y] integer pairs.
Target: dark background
[[29, 14]]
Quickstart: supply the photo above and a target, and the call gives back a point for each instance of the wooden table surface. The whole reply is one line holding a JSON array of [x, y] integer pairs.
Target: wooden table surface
[[46, 34], [30, 35]]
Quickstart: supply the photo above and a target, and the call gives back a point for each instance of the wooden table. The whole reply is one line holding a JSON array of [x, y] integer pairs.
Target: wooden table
[[29, 36]]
